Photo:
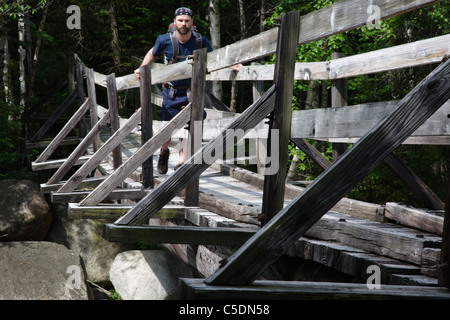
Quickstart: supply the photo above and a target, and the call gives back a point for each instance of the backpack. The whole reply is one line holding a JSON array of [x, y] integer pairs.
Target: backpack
[[175, 45]]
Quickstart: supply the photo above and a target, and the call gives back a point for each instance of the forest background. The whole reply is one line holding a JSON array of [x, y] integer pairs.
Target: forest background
[[35, 43]]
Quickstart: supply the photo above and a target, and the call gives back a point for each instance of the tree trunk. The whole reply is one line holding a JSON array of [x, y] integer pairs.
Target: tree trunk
[[115, 44], [22, 61], [214, 29]]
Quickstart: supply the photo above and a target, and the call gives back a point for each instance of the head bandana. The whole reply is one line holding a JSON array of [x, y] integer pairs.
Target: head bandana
[[183, 11]]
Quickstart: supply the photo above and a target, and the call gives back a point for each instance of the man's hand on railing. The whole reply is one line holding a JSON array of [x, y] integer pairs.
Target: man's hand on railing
[[137, 73]]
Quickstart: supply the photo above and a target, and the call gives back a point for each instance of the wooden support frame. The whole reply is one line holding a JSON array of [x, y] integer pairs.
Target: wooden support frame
[[80, 149], [114, 116], [136, 159], [90, 79], [147, 122], [248, 262], [195, 165], [273, 198], [101, 153], [198, 86]]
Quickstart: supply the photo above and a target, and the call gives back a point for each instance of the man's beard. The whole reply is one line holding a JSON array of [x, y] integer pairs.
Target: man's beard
[[183, 30]]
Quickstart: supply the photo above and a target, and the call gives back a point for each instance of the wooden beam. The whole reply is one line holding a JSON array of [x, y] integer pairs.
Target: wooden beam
[[93, 105], [196, 289], [101, 153], [114, 116], [248, 262], [176, 234], [137, 158], [194, 144], [147, 123], [273, 197], [444, 268], [195, 165], [77, 196], [80, 149]]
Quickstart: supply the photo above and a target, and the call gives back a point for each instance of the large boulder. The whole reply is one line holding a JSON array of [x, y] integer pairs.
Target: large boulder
[[147, 275], [84, 236], [39, 270], [24, 214]]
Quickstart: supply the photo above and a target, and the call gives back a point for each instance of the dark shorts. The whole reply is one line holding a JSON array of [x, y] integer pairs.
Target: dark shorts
[[171, 105]]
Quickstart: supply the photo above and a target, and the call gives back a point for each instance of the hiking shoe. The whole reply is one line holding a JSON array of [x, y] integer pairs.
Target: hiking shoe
[[163, 161], [177, 166]]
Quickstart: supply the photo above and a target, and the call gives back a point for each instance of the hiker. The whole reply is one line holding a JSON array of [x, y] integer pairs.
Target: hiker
[[183, 39]]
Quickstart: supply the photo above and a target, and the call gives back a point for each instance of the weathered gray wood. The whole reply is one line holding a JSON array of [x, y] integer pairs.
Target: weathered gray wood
[[64, 132], [312, 152], [80, 149], [147, 123], [88, 183], [135, 160], [196, 289], [355, 121], [101, 153], [198, 85], [114, 211], [77, 196], [338, 100], [247, 263], [54, 164], [176, 234], [273, 197], [114, 115], [414, 218], [61, 109], [93, 105], [195, 165]]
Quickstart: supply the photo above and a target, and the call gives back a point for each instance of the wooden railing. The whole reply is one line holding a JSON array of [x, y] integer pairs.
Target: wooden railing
[[392, 123]]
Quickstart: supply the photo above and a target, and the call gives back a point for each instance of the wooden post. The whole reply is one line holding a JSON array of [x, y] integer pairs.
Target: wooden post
[[444, 270], [114, 116], [338, 99], [81, 98], [195, 132], [147, 122], [93, 105], [268, 244], [257, 90], [273, 198]]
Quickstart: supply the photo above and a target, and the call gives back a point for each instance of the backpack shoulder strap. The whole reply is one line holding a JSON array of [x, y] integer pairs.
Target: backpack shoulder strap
[[175, 48]]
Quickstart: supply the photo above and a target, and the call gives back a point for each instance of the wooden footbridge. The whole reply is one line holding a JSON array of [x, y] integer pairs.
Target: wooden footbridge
[[233, 226]]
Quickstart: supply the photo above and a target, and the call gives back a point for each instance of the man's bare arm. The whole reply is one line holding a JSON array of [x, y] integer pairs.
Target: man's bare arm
[[148, 59]]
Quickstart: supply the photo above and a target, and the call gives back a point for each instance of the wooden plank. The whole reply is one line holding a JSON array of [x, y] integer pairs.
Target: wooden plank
[[384, 239], [64, 132], [195, 165], [196, 289], [137, 158], [414, 218], [248, 262], [88, 183], [54, 164], [80, 149], [101, 153], [414, 54], [176, 234], [273, 197], [77, 196], [93, 105], [113, 211], [114, 116], [355, 121], [147, 123], [194, 144]]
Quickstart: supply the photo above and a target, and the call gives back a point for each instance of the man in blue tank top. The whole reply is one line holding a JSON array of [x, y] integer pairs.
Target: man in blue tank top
[[175, 93]]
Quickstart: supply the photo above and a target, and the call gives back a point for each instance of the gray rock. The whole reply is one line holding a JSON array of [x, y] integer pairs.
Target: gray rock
[[84, 236], [147, 275], [25, 214], [38, 270]]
